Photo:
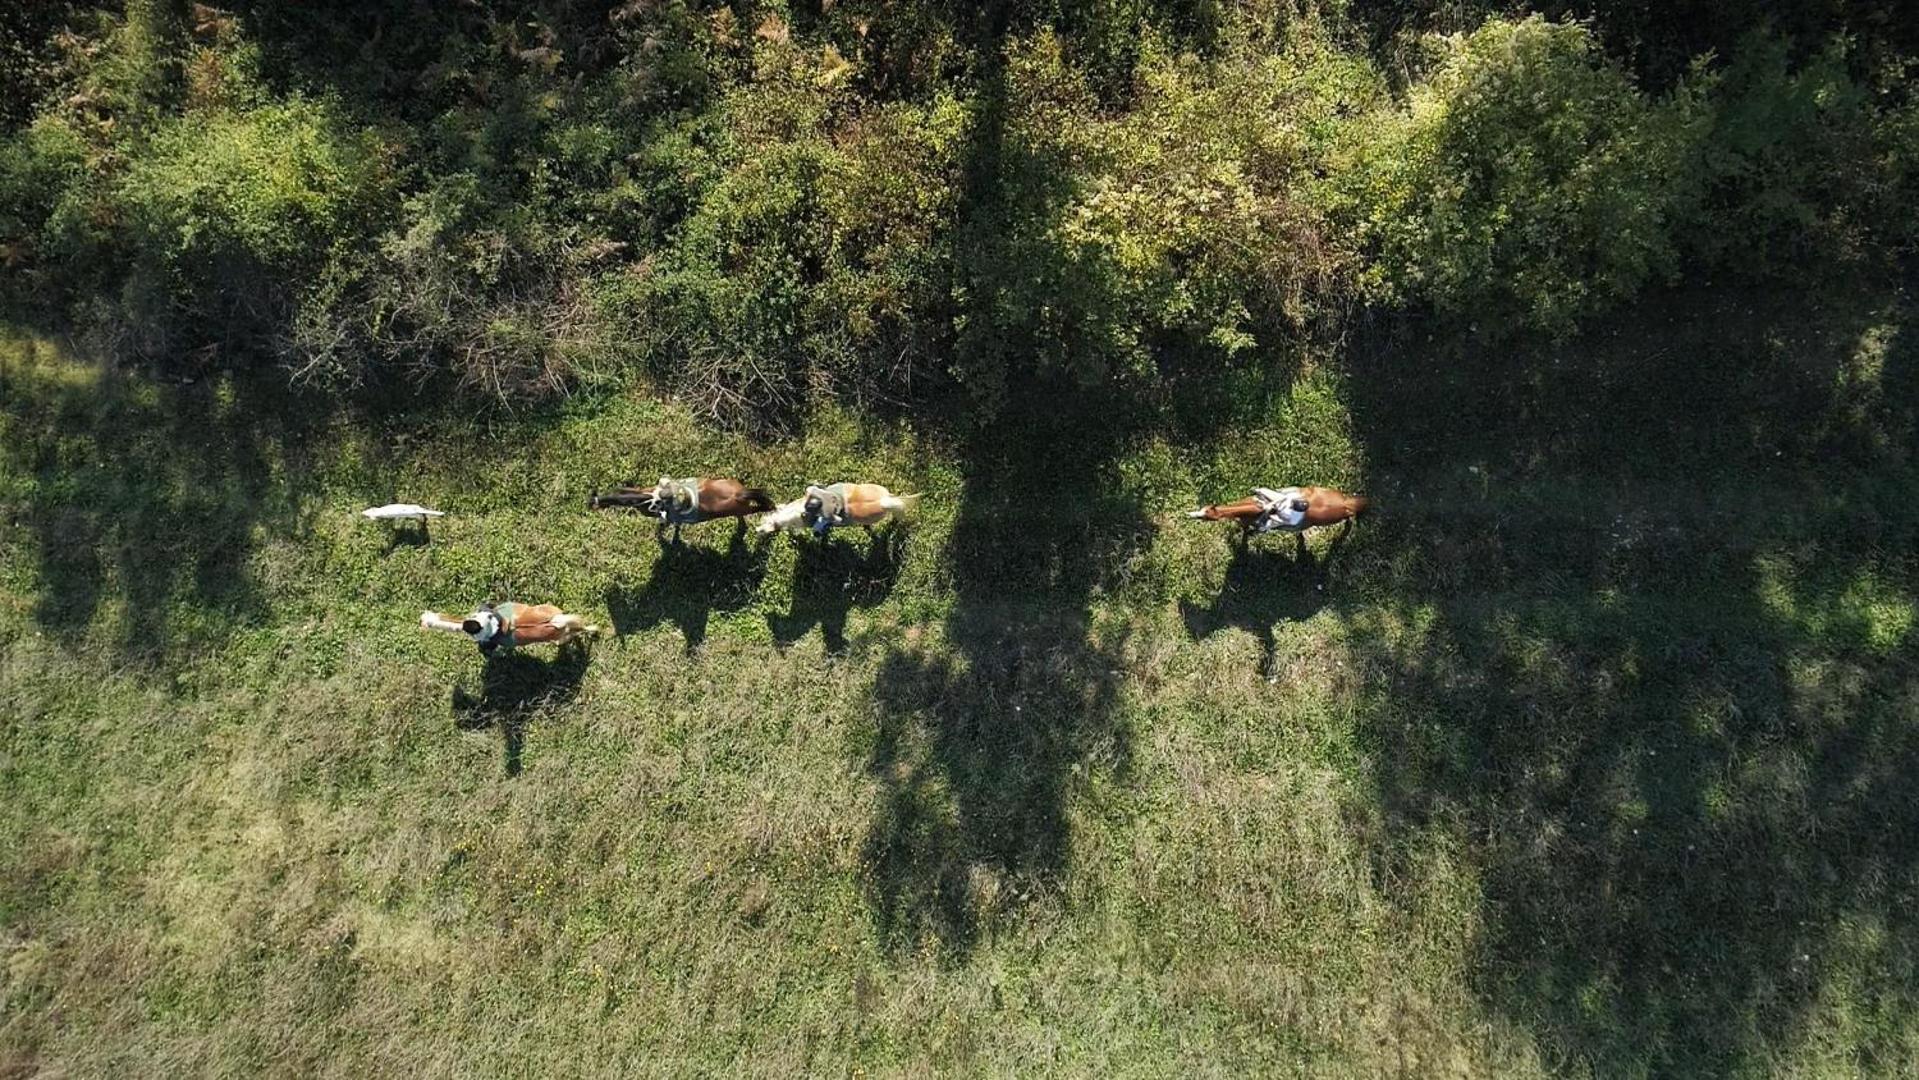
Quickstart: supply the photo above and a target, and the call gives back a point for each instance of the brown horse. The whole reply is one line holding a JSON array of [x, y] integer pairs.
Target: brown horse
[[1286, 509], [685, 502], [508, 625]]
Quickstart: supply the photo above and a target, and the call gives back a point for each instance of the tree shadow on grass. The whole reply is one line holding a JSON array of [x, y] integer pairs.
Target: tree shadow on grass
[[1655, 682], [831, 577], [687, 585], [140, 502], [978, 746], [515, 689], [1265, 586]]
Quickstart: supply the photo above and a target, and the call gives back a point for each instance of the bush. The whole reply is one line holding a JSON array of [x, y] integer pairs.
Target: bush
[[168, 194], [1790, 171], [235, 207], [484, 281], [1183, 230], [1528, 180], [811, 259], [498, 304]]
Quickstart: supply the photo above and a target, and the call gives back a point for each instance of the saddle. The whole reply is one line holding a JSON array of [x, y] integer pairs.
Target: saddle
[[678, 501]]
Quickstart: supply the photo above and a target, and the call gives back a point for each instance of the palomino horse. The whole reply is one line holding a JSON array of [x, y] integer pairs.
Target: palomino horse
[[823, 508], [508, 625], [685, 502], [1293, 509]]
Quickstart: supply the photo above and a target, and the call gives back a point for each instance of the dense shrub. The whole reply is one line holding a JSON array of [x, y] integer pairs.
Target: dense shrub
[[763, 204], [811, 256], [237, 207], [1527, 180], [1789, 170], [1184, 228], [498, 305], [170, 203]]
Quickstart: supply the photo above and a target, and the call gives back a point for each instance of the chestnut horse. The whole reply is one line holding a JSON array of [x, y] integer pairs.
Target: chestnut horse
[[685, 502], [1286, 509], [506, 626], [822, 508]]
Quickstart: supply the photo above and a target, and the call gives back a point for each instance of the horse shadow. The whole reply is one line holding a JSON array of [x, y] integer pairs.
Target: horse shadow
[[516, 687], [687, 585], [830, 579], [1264, 587]]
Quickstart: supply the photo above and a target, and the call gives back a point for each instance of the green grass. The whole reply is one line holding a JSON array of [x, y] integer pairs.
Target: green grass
[[1589, 752]]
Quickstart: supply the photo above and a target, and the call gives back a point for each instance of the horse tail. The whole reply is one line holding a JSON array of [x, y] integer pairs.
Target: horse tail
[[1357, 504], [758, 501], [630, 500], [903, 504]]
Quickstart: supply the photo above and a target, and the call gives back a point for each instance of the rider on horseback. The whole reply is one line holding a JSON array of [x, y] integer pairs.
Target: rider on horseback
[[491, 627], [677, 501], [825, 508], [1284, 508]]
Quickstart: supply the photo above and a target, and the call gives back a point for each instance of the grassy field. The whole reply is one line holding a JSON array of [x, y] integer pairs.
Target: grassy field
[[1591, 751]]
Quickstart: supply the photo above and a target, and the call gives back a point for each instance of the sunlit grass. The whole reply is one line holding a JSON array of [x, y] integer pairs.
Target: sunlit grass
[[1529, 773]]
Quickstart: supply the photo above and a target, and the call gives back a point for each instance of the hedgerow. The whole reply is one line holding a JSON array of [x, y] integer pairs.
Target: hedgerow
[[760, 207]]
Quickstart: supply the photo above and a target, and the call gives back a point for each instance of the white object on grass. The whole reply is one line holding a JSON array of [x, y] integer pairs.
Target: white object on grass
[[401, 512]]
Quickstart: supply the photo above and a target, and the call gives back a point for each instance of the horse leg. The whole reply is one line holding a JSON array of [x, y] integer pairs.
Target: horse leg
[[1305, 556]]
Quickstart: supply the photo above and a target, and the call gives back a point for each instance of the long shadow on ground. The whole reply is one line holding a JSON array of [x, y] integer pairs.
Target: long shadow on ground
[[1267, 582], [688, 583], [140, 502], [1651, 672], [517, 688], [832, 577], [976, 747]]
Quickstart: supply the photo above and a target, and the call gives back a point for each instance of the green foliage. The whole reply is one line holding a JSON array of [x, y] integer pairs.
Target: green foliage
[[223, 197], [1183, 226], [1789, 169], [1528, 179], [810, 256], [764, 206], [172, 201], [483, 275]]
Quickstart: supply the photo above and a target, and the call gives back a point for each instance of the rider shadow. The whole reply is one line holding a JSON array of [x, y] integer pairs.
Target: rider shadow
[[831, 579], [516, 687], [687, 586], [1264, 587]]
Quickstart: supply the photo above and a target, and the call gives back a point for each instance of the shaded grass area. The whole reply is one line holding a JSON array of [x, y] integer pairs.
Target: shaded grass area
[[1582, 753], [1657, 675]]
